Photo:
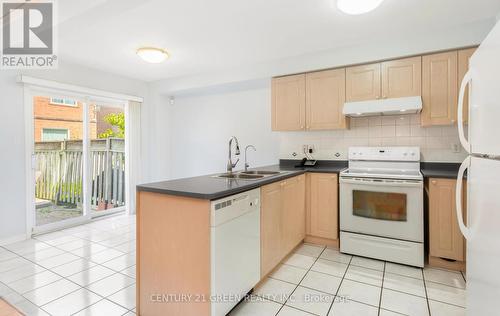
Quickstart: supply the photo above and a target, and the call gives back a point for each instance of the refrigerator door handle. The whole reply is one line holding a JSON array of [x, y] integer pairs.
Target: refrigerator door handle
[[458, 196], [460, 113]]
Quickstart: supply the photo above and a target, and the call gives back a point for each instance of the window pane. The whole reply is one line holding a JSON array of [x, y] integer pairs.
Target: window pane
[[379, 205], [51, 134]]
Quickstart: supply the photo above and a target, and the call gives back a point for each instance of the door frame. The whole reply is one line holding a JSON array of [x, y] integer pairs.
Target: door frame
[[57, 90]]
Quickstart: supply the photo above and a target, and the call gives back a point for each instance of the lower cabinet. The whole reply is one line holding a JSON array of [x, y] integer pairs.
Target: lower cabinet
[[282, 220], [445, 239], [322, 205]]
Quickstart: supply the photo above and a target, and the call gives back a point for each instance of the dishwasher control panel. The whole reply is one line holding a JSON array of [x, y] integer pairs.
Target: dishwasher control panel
[[225, 209]]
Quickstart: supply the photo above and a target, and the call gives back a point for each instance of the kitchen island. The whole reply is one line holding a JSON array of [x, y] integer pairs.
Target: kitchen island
[[174, 223], [174, 232]]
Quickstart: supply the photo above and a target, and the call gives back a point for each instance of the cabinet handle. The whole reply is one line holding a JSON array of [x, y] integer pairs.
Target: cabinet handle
[[377, 97], [384, 97], [433, 182], [302, 126], [307, 127]]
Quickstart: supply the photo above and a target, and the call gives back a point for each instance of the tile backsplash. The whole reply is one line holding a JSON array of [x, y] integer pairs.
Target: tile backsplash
[[437, 143]]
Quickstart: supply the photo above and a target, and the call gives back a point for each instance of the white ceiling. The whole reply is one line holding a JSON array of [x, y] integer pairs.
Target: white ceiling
[[208, 35]]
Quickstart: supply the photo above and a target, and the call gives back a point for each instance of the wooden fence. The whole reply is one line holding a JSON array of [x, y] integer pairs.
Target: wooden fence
[[59, 172]]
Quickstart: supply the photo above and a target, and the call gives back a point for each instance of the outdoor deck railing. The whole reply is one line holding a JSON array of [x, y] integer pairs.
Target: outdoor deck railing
[[59, 172]]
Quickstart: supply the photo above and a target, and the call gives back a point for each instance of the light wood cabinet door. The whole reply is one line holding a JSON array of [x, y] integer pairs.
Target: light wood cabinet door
[[288, 103], [323, 205], [446, 241], [325, 98], [363, 82], [463, 66], [402, 78], [293, 213], [439, 89], [271, 226]]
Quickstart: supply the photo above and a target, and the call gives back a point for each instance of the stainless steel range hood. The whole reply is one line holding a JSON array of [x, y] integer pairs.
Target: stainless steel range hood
[[394, 106]]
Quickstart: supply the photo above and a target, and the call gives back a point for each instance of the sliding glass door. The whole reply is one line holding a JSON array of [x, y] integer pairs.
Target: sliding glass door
[[59, 135], [78, 159], [107, 158]]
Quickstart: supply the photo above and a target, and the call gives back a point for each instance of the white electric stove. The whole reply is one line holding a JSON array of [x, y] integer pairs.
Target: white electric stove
[[381, 205]]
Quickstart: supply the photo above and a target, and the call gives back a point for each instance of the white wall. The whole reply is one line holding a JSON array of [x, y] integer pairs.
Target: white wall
[[12, 133], [201, 125]]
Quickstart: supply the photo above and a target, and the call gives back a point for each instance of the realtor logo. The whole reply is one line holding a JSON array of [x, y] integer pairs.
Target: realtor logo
[[28, 35]]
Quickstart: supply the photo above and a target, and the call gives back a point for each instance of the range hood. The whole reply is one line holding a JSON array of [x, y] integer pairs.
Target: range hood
[[394, 106]]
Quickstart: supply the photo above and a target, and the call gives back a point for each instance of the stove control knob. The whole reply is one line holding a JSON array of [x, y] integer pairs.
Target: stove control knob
[[413, 154], [405, 154]]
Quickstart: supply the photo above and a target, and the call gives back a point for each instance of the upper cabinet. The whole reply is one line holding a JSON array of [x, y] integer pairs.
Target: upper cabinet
[[439, 89], [363, 82], [402, 78], [288, 103], [312, 101], [315, 101], [391, 79], [463, 66], [325, 98]]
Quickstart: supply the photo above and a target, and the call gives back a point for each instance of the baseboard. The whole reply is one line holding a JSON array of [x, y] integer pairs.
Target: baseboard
[[13, 239], [445, 264], [334, 243]]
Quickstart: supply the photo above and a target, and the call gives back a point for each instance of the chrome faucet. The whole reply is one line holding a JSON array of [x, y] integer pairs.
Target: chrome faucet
[[230, 164], [246, 149]]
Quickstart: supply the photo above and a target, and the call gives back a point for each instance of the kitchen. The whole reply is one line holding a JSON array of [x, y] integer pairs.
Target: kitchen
[[341, 166]]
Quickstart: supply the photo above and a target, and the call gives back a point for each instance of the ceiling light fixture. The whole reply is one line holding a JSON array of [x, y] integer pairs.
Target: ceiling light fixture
[[152, 55], [355, 7]]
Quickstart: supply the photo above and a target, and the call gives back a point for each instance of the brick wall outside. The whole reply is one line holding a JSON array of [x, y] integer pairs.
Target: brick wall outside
[[47, 115]]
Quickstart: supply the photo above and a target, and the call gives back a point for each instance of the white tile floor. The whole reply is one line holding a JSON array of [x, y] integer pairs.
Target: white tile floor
[[90, 270], [321, 281], [83, 270]]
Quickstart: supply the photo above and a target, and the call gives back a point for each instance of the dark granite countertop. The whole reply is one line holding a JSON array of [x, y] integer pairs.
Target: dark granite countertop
[[210, 188], [440, 170]]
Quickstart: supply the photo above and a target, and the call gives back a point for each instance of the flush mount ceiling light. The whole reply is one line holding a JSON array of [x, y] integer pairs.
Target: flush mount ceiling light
[[152, 55], [358, 6]]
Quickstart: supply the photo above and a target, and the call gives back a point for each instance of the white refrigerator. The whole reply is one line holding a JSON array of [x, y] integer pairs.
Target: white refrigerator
[[481, 227]]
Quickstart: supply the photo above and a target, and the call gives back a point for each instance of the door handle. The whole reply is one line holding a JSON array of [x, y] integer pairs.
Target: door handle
[[458, 198], [460, 108]]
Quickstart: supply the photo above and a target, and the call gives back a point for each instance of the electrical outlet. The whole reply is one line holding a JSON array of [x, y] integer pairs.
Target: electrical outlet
[[455, 147]]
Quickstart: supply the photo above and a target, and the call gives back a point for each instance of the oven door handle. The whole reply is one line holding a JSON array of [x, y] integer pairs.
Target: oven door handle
[[384, 183]]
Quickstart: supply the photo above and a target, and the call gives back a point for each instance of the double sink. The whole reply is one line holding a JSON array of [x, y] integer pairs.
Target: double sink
[[248, 175]]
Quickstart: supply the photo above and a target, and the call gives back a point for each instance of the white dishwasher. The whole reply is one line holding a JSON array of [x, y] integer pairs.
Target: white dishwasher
[[235, 249]]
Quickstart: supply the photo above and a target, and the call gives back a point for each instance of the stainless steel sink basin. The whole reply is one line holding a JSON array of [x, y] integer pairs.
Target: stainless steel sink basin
[[261, 172], [248, 175], [240, 176]]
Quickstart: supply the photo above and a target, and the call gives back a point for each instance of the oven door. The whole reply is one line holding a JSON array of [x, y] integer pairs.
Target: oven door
[[382, 207]]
